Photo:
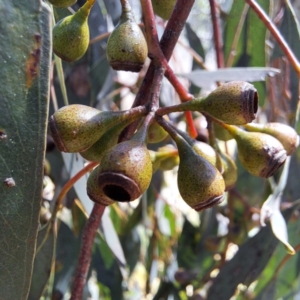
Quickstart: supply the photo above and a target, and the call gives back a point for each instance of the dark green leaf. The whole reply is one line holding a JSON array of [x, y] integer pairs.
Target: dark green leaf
[[268, 292], [250, 50], [109, 276], [247, 264], [232, 22], [42, 263], [131, 244], [289, 28], [196, 45], [287, 278], [67, 252], [169, 215], [24, 72], [256, 45]]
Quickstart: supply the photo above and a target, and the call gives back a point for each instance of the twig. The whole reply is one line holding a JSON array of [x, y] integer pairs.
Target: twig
[[284, 260], [276, 34], [62, 195], [155, 52], [100, 38], [159, 59], [217, 34], [155, 90], [197, 58], [190, 124], [88, 236], [175, 25], [179, 88], [69, 185], [167, 43]]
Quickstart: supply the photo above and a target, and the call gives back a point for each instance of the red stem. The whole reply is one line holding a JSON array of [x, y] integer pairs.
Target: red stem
[[179, 88], [190, 124], [276, 34], [155, 51], [217, 34], [88, 236]]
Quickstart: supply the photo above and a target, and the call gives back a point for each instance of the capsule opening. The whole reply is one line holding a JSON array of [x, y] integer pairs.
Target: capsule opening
[[255, 102], [116, 193]]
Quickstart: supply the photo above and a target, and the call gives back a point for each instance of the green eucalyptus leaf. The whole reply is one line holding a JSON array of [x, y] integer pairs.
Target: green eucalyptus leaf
[[233, 21], [42, 262], [24, 72], [247, 264]]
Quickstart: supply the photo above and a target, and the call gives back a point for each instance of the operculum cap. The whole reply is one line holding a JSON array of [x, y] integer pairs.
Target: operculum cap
[[127, 48], [282, 132], [261, 154]]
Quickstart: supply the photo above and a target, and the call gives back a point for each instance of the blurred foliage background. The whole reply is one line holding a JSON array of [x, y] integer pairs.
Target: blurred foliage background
[[157, 247]]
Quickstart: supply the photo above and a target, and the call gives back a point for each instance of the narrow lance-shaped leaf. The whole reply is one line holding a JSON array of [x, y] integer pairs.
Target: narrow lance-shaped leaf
[[204, 79], [271, 210], [247, 264]]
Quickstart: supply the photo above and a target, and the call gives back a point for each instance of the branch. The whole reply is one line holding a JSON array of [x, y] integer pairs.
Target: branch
[[276, 34], [167, 44], [217, 34], [88, 236]]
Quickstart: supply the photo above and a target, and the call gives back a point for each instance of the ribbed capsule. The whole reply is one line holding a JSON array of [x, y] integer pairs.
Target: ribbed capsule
[[261, 154], [156, 133], [284, 133], [230, 173], [234, 103], [71, 35], [204, 150], [163, 8], [127, 48], [125, 171], [221, 133], [77, 127], [200, 184], [165, 158]]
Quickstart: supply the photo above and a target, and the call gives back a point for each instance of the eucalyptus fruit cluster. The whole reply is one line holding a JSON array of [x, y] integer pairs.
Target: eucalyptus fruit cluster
[[205, 173], [126, 47]]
